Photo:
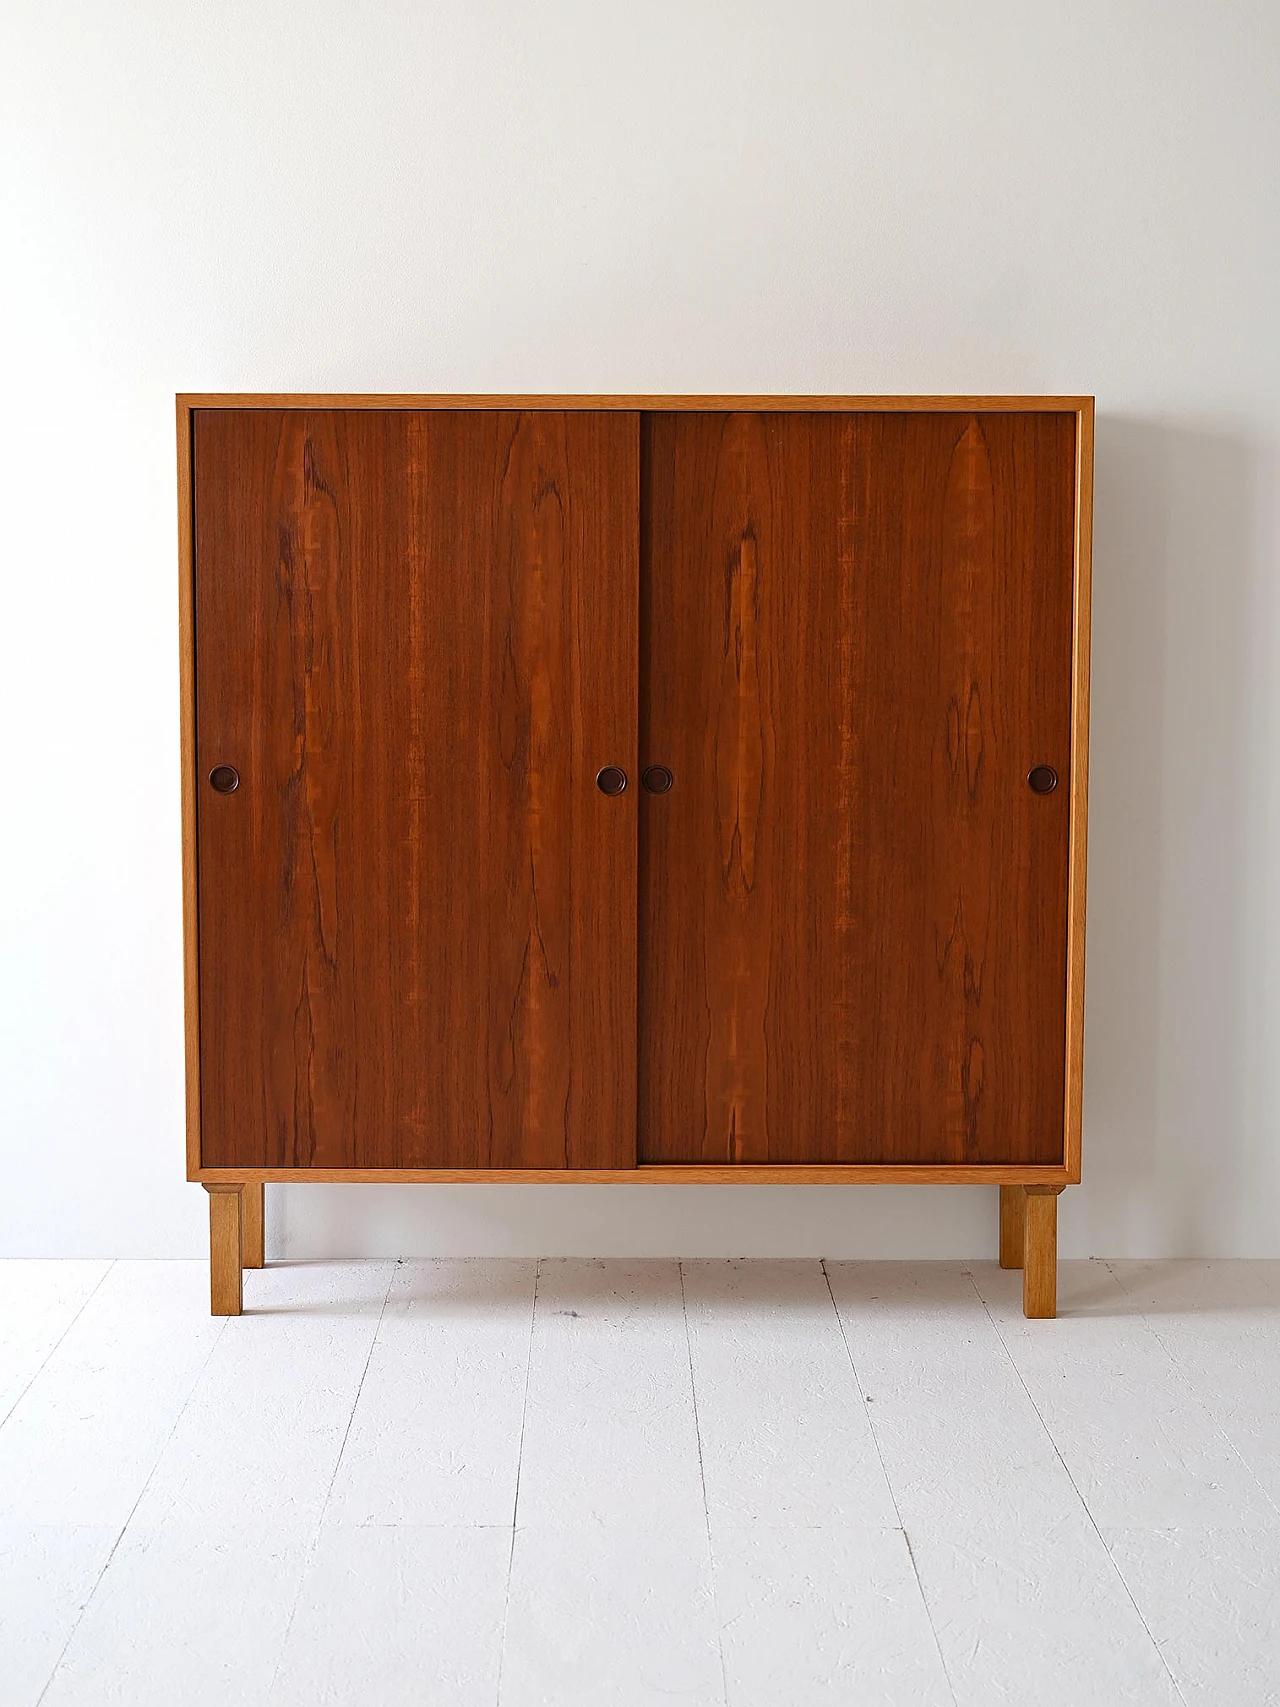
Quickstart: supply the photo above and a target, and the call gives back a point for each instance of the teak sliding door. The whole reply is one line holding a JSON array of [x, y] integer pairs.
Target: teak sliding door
[[832, 647], [856, 646], [416, 643]]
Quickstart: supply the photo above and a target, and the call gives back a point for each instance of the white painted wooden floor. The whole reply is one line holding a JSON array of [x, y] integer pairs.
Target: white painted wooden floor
[[623, 1482]]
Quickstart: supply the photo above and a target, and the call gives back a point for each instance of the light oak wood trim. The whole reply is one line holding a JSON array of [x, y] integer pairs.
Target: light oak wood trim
[[252, 1253], [756, 404], [187, 749], [796, 1174], [1040, 1252], [1073, 1113], [225, 1296], [1013, 1203]]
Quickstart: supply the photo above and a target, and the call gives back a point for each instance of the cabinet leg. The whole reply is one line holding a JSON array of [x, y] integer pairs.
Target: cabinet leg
[[1013, 1220], [1040, 1251], [251, 1254], [224, 1250]]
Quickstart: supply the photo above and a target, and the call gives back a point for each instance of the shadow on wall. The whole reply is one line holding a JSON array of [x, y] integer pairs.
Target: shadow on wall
[[1175, 1056]]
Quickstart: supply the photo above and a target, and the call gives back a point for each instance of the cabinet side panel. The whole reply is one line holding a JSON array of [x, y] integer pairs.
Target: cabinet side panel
[[1079, 788], [853, 908], [416, 643], [187, 752]]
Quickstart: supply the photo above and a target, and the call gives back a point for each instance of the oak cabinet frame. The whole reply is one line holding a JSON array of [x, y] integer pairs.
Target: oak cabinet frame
[[1045, 1180]]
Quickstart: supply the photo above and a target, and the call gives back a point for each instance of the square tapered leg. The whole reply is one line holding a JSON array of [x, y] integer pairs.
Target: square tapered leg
[[1040, 1251], [224, 1249], [1013, 1220], [251, 1246]]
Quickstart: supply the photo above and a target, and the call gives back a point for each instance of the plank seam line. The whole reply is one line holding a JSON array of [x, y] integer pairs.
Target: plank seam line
[[45, 1359], [124, 1527], [702, 1477], [1187, 1380], [305, 1572], [884, 1470], [515, 1503], [1084, 1504]]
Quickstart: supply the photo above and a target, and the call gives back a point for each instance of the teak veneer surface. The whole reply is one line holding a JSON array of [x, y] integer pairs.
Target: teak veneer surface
[[856, 643], [416, 639], [419, 620]]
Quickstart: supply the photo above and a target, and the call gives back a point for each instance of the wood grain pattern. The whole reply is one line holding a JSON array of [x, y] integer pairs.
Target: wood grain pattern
[[416, 639], [187, 748], [252, 1229], [1040, 1252], [1081, 407], [1013, 1222], [657, 1174], [857, 642], [225, 1276], [1081, 629]]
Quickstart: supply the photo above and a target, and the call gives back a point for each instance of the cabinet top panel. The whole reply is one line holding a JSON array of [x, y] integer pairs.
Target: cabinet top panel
[[778, 401]]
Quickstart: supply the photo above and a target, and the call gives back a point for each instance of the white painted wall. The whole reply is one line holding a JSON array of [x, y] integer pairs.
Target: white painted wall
[[714, 195]]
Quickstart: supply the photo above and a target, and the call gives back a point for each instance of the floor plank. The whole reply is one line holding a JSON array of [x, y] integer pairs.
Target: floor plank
[[958, 1435], [400, 1617], [263, 1431], [784, 1432], [47, 1575], [1140, 1446], [1211, 1599], [79, 1445], [609, 1433], [38, 1303], [610, 1614], [1037, 1612], [435, 1437], [611, 1482], [185, 1613], [825, 1617], [1220, 1323]]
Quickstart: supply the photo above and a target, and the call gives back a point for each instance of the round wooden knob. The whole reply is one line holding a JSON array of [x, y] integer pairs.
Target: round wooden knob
[[224, 779], [657, 779], [1042, 780], [611, 780]]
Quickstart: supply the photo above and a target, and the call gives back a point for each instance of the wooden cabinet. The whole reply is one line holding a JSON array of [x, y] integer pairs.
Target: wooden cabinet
[[830, 929]]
